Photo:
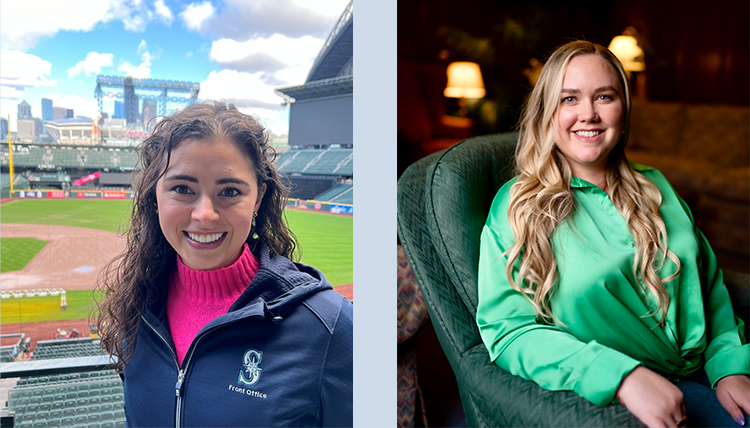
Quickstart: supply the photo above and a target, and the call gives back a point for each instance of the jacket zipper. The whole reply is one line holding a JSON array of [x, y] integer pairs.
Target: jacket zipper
[[180, 375], [180, 385]]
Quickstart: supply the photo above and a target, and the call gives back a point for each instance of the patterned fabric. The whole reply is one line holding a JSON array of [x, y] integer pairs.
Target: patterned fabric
[[408, 390], [412, 313]]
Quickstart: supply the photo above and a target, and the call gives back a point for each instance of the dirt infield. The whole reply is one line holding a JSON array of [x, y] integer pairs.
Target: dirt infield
[[71, 259]]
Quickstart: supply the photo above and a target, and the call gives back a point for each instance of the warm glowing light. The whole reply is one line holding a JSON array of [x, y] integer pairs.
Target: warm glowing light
[[464, 81], [626, 49]]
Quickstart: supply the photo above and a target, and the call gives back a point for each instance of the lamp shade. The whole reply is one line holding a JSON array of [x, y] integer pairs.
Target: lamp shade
[[626, 49], [464, 80]]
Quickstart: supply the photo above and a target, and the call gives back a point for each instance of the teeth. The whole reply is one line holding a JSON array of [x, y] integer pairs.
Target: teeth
[[205, 239], [588, 134]]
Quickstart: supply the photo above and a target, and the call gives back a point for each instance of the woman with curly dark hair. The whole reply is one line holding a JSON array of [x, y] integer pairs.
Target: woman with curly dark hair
[[212, 324]]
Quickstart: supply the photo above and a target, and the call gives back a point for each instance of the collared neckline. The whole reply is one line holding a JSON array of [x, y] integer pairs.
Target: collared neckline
[[580, 183], [576, 182]]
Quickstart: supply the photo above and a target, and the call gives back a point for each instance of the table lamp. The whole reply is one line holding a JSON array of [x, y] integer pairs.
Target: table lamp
[[464, 81]]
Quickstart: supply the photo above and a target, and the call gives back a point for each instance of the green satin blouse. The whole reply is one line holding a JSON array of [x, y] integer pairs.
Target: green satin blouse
[[607, 329]]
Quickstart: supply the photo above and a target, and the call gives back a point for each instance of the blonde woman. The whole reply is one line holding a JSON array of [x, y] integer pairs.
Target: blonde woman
[[592, 275]]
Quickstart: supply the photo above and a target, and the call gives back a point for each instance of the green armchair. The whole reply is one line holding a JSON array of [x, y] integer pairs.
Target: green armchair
[[443, 201]]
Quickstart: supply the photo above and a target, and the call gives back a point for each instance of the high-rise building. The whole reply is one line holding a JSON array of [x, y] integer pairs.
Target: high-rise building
[[24, 110], [58, 113], [3, 129], [119, 110], [131, 101], [62, 113], [26, 130], [47, 112], [38, 126], [149, 111]]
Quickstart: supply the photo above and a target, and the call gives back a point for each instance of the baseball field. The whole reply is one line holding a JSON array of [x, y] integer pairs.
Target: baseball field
[[48, 243]]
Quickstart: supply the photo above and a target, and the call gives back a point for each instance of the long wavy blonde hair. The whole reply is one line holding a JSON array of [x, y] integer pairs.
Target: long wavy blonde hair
[[541, 198]]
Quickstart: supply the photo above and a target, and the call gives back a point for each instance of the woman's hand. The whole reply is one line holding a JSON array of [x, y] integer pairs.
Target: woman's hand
[[733, 393], [651, 398]]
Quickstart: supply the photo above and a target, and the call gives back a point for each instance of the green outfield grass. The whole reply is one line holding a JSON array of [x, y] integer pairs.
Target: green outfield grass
[[326, 240], [15, 253], [93, 214], [327, 243], [16, 310]]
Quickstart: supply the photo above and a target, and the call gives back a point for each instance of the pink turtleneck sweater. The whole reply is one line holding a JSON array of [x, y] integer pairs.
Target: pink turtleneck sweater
[[198, 296]]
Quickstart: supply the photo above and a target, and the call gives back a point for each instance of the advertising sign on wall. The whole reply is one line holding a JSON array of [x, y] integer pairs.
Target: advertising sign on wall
[[89, 195], [56, 195], [113, 195], [30, 194], [342, 209]]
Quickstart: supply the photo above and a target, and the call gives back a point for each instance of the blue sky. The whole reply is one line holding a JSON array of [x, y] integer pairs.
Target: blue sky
[[238, 49]]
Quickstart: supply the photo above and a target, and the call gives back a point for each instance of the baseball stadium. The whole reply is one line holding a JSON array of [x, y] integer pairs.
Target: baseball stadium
[[65, 209]]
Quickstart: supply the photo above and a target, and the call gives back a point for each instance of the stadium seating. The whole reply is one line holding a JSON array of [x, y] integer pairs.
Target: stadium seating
[[94, 400], [342, 193], [50, 349], [317, 162], [93, 157], [332, 192], [90, 399], [345, 197]]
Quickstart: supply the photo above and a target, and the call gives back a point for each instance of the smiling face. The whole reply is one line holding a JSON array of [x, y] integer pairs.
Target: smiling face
[[206, 201], [590, 115]]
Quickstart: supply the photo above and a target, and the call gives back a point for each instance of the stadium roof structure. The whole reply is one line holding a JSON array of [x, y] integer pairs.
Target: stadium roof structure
[[319, 89], [331, 73], [337, 49], [80, 120], [128, 87]]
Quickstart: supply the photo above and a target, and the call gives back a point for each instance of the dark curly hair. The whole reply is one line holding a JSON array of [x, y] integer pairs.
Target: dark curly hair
[[140, 274]]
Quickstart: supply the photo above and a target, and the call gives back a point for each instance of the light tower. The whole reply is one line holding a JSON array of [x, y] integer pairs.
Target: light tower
[[131, 90]]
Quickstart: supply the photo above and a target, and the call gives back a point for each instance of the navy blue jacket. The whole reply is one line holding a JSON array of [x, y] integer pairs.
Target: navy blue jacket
[[281, 356]]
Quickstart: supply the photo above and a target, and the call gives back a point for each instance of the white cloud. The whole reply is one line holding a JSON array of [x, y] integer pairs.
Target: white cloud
[[136, 15], [23, 23], [281, 60], [242, 19], [327, 8], [250, 94], [279, 126], [93, 64], [8, 92], [233, 85], [285, 49], [196, 14], [81, 106], [163, 11], [135, 23], [142, 47], [142, 70], [19, 70], [294, 75]]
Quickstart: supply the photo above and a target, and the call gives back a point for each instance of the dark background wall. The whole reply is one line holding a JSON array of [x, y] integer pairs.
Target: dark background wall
[[695, 51]]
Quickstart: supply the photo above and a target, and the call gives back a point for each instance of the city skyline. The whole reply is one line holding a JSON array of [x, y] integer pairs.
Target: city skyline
[[234, 49]]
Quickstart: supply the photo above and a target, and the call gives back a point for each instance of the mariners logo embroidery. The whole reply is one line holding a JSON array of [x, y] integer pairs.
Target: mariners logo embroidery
[[250, 361]]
